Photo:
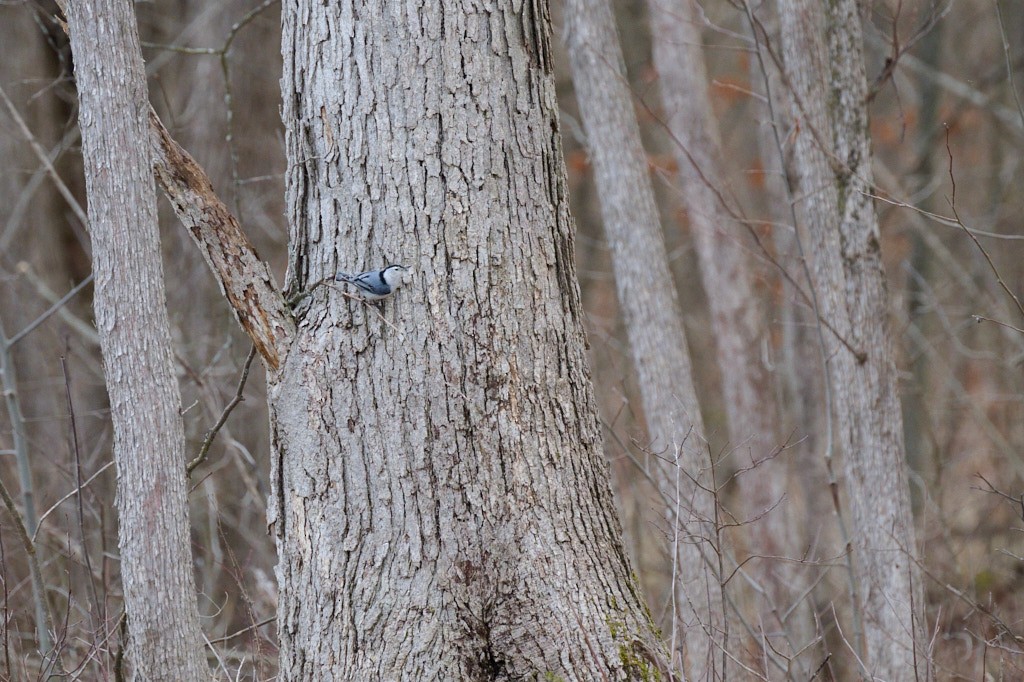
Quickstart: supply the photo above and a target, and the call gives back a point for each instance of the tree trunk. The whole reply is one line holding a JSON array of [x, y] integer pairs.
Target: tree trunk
[[738, 323], [440, 497], [822, 49], [156, 561], [648, 302]]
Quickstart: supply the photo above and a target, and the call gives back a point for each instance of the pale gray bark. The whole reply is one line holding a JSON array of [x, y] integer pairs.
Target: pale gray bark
[[440, 496], [648, 301], [738, 323], [720, 238], [156, 561], [822, 49]]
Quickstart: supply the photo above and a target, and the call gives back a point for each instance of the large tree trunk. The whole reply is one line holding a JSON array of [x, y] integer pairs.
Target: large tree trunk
[[822, 49], [657, 342], [441, 500], [156, 561]]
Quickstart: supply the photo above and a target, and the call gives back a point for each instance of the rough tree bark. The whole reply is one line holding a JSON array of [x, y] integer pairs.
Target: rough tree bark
[[441, 500], [650, 308], [145, 404], [822, 50]]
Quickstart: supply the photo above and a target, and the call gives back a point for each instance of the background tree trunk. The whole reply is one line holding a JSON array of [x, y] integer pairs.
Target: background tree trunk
[[647, 298], [32, 232], [822, 49], [156, 561], [739, 326], [441, 500]]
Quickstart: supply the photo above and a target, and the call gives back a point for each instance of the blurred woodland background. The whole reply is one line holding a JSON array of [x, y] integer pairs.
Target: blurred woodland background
[[948, 133]]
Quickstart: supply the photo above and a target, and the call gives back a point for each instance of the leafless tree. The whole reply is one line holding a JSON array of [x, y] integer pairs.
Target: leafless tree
[[722, 238], [448, 159], [823, 55], [145, 402], [648, 301]]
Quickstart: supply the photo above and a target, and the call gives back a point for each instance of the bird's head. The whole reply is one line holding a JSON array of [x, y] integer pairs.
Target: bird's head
[[395, 275]]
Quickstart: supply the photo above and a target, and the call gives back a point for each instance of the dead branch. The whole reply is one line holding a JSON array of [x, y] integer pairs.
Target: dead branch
[[245, 279]]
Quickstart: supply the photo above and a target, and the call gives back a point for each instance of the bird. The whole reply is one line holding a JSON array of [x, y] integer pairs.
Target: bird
[[375, 285]]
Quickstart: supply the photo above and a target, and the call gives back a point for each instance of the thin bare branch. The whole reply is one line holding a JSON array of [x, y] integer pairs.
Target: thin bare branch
[[212, 433], [988, 258], [982, 318], [45, 626], [254, 626], [1009, 64], [77, 490], [96, 602], [44, 158], [50, 311]]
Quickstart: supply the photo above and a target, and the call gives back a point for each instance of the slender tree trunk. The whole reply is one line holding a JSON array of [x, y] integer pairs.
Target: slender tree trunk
[[738, 322], [648, 301], [822, 49], [440, 497], [156, 561]]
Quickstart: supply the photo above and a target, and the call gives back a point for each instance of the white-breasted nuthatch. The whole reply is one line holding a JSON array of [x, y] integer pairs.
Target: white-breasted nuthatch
[[375, 285]]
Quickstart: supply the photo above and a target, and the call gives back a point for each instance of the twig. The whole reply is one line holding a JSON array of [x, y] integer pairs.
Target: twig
[[900, 50], [254, 626], [1006, 55], [229, 96], [762, 250], [222, 55], [85, 329], [17, 212], [943, 220], [97, 604], [50, 311], [982, 318], [44, 158], [10, 390], [30, 522], [988, 258], [1005, 115], [212, 433], [216, 655], [76, 491], [992, 490], [824, 357], [44, 627], [822, 666], [7, 612]]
